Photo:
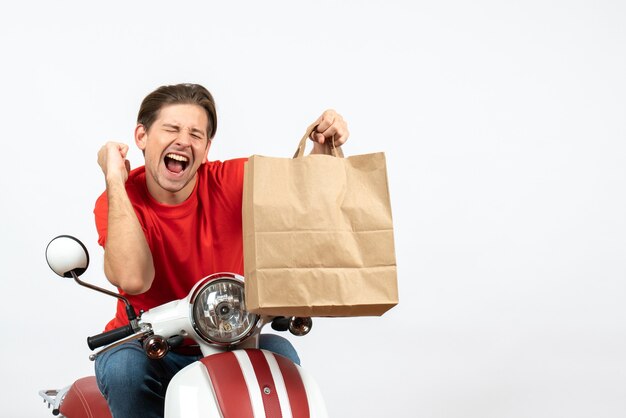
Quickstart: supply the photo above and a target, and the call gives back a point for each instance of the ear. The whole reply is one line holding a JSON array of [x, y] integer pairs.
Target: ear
[[141, 137], [206, 152]]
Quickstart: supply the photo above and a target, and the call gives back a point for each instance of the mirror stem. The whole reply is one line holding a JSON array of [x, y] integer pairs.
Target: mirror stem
[[130, 312]]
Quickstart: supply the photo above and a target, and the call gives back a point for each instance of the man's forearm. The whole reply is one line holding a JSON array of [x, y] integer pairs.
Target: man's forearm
[[127, 257]]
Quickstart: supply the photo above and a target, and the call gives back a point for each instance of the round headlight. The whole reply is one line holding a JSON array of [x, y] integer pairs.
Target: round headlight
[[218, 311]]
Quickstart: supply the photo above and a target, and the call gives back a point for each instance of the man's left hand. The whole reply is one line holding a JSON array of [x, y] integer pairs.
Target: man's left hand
[[330, 127]]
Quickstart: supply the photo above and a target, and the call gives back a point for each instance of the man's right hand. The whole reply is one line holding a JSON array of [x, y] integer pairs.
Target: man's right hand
[[113, 162]]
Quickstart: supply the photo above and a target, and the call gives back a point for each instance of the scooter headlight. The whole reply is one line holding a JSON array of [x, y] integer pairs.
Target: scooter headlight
[[218, 311]]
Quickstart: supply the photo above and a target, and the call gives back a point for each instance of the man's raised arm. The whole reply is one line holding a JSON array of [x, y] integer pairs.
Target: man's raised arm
[[127, 257]]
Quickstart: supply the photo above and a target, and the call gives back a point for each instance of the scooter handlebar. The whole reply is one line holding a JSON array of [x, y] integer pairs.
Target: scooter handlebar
[[280, 323], [109, 337]]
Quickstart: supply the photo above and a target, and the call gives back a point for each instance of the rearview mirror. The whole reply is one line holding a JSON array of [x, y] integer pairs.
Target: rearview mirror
[[66, 254]]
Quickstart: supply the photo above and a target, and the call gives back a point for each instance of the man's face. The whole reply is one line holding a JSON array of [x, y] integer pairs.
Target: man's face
[[174, 147]]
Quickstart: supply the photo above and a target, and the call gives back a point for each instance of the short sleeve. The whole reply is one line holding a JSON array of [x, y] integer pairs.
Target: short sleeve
[[227, 179], [100, 212]]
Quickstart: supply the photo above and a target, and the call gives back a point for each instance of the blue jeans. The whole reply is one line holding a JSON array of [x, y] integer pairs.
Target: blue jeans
[[134, 385]]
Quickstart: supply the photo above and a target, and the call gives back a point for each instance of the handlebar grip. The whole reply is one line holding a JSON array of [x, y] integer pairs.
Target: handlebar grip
[[109, 337], [280, 323]]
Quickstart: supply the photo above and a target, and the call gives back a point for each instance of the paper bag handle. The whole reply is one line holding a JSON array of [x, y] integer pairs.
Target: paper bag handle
[[330, 148]]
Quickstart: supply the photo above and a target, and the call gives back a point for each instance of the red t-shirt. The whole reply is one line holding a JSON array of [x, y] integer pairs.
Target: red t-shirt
[[189, 241]]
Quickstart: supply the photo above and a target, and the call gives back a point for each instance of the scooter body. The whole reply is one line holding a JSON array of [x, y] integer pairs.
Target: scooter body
[[234, 379], [244, 383]]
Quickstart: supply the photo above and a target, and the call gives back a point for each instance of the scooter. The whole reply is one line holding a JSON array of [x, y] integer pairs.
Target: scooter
[[234, 379]]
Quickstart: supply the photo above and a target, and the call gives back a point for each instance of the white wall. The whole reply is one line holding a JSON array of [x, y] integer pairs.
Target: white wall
[[504, 128]]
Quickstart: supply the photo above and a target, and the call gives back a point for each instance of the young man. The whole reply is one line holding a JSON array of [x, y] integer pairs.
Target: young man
[[168, 224]]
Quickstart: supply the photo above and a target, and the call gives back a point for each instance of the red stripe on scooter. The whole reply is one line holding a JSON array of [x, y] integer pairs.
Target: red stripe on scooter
[[295, 387], [229, 385], [271, 404]]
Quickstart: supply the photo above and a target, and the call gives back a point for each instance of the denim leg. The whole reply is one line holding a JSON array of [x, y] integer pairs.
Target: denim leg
[[279, 345], [134, 385]]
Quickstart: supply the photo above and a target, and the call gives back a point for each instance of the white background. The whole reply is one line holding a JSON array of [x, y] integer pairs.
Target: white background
[[504, 128]]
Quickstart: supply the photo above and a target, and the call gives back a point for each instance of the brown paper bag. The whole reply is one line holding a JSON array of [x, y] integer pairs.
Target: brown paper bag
[[318, 235]]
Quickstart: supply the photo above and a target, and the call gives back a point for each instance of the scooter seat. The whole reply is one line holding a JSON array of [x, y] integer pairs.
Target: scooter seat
[[84, 400]]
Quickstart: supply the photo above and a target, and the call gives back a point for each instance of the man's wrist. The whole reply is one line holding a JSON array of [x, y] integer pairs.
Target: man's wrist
[[114, 181]]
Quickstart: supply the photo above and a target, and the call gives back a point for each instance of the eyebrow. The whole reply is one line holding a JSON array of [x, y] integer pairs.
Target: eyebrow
[[196, 130]]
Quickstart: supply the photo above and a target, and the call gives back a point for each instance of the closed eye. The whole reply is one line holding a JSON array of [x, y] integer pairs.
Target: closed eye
[[171, 128], [197, 134]]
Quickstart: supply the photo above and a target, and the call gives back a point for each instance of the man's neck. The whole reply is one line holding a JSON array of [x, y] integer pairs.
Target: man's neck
[[167, 197]]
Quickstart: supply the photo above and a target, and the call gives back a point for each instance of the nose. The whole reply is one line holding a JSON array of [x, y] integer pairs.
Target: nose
[[184, 138]]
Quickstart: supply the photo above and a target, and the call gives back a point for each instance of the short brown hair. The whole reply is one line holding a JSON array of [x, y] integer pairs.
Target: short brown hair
[[178, 94]]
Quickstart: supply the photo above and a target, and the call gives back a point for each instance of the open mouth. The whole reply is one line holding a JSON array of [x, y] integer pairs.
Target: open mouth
[[176, 163]]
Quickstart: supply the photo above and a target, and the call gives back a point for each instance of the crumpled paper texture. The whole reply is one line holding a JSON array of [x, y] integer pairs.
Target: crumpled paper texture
[[318, 236]]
